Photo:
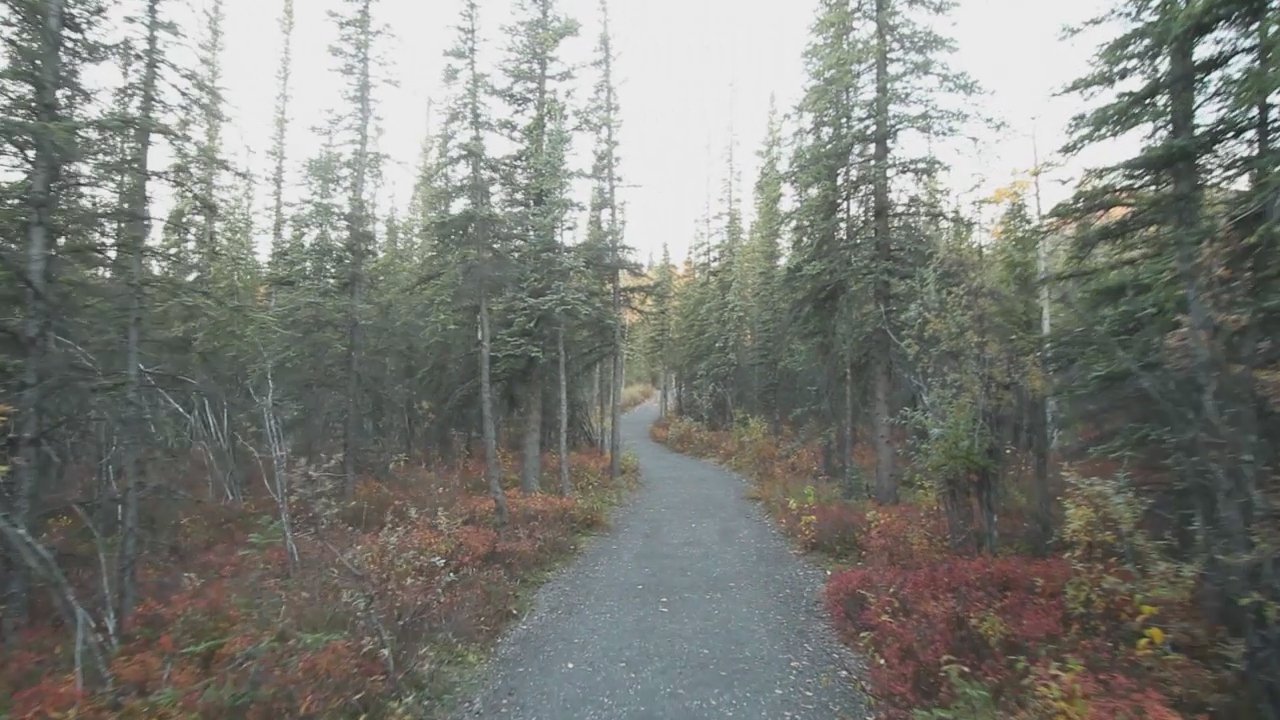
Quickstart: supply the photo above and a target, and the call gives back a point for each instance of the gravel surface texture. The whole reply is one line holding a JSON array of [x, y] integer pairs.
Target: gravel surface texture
[[692, 606]]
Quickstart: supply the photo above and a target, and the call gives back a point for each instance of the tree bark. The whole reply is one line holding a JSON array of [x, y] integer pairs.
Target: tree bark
[[850, 435], [531, 467], [493, 471], [1042, 401], [602, 400], [566, 484]]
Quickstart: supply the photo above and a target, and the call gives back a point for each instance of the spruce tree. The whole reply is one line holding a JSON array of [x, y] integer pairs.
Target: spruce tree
[[536, 182], [49, 46], [470, 229], [761, 270], [356, 53], [1172, 342], [604, 112], [136, 210]]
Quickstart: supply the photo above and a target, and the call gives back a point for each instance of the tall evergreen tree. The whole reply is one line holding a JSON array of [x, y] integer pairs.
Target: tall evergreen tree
[[356, 53], [470, 230], [605, 121], [1174, 338], [537, 181], [136, 208], [49, 45]]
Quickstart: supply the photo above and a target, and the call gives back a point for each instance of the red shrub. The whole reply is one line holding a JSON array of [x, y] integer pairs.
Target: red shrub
[[904, 536], [837, 530], [981, 612]]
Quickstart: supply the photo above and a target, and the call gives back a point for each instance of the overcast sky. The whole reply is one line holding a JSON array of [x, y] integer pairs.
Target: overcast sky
[[691, 73]]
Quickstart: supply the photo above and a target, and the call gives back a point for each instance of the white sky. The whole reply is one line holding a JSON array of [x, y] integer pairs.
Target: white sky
[[678, 60]]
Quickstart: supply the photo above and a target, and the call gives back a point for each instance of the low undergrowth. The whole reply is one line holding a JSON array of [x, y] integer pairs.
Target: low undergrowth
[[1105, 629], [391, 600]]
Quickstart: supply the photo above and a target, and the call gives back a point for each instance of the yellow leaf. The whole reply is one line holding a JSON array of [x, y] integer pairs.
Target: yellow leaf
[[1156, 635]]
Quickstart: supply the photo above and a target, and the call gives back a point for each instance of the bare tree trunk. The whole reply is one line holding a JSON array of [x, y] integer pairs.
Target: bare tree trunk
[[566, 484], [1042, 401], [493, 472], [531, 467], [882, 380], [137, 237]]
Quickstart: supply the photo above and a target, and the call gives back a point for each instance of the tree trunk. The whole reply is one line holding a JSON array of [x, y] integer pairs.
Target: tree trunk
[[1043, 404], [602, 400], [566, 485], [1041, 492], [493, 472], [882, 380], [531, 467], [662, 393], [850, 436], [615, 401]]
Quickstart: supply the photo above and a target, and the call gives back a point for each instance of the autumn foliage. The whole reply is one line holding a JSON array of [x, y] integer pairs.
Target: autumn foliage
[[1104, 630], [392, 596]]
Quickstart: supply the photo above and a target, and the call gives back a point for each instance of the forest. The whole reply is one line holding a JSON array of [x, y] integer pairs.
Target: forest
[[248, 486], [1041, 455], [275, 447]]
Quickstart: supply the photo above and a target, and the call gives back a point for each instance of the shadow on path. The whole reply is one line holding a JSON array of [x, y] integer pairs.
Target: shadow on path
[[692, 606]]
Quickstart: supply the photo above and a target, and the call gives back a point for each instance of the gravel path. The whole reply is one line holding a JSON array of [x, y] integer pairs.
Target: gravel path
[[692, 606]]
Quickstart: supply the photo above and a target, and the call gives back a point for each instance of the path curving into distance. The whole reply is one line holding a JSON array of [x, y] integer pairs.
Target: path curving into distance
[[691, 606]]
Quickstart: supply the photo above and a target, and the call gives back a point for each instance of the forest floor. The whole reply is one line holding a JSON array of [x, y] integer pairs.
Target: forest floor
[[692, 605]]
